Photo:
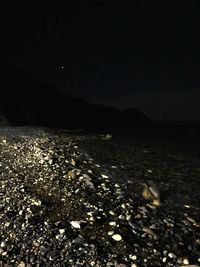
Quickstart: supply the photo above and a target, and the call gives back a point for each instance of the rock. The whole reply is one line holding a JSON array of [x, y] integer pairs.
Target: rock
[[71, 174], [75, 224], [151, 192], [133, 257], [73, 162], [89, 184], [104, 176], [22, 264], [110, 232], [117, 237], [156, 202], [112, 223], [171, 255], [2, 244], [107, 136], [61, 231]]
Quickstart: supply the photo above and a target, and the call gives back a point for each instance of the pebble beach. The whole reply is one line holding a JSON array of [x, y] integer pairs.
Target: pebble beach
[[70, 199]]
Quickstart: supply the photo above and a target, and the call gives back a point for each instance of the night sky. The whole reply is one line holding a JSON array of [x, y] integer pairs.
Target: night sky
[[144, 56]]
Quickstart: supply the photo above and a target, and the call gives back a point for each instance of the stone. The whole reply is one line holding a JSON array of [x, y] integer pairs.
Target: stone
[[112, 223], [186, 261], [104, 176], [22, 264], [133, 257], [117, 237], [75, 224]]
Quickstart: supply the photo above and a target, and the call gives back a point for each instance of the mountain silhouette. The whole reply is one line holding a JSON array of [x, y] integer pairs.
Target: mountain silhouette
[[24, 100]]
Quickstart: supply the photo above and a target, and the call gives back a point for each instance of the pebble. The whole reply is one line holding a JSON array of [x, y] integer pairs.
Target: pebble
[[75, 224], [104, 176], [22, 264], [111, 212], [112, 223], [117, 237], [73, 162], [61, 231], [171, 255], [3, 244], [186, 261], [133, 257], [97, 165], [110, 232], [114, 167]]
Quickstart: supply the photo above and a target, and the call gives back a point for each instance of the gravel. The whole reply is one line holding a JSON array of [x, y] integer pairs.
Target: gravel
[[65, 203]]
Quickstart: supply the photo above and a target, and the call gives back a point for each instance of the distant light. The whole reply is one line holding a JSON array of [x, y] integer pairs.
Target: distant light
[[62, 67]]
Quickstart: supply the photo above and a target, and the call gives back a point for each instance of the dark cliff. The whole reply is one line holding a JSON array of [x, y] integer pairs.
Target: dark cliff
[[25, 100]]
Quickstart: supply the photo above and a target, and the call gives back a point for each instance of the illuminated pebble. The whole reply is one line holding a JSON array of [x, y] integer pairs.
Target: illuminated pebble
[[22, 264], [186, 261], [20, 212], [75, 224], [110, 232], [73, 162], [61, 231], [111, 212], [164, 259], [29, 210], [128, 217], [114, 167], [112, 223], [171, 255], [117, 237], [104, 176], [156, 202], [36, 202], [3, 244], [133, 257]]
